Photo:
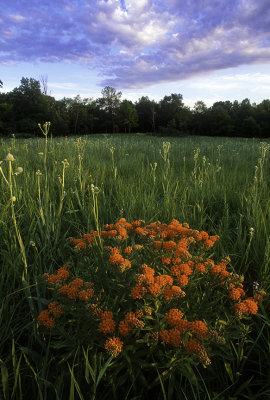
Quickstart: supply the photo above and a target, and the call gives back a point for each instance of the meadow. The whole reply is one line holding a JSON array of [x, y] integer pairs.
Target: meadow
[[53, 189]]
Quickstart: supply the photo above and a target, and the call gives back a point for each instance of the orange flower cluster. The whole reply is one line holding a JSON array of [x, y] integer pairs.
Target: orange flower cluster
[[61, 275], [114, 346], [194, 347], [107, 324], [248, 306], [155, 285], [132, 320], [47, 317], [117, 259], [74, 290], [174, 317], [171, 336], [236, 293], [171, 268]]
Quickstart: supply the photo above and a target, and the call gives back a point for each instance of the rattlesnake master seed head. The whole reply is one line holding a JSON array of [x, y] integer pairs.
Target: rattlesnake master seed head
[[19, 170], [10, 157]]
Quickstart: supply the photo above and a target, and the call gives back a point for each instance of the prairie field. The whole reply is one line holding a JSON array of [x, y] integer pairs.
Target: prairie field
[[53, 189]]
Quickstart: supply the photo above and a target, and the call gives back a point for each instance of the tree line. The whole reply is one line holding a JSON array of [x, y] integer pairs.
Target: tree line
[[29, 104]]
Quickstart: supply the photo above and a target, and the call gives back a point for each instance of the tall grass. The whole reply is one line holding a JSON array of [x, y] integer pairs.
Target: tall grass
[[220, 185]]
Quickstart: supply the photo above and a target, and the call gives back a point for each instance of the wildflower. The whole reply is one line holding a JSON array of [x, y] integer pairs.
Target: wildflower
[[107, 325], [45, 319], [124, 328], [56, 309], [138, 291], [114, 346], [194, 347], [199, 329], [85, 294], [18, 171], [157, 245], [182, 280], [154, 289], [165, 260], [248, 306], [10, 157], [173, 316], [116, 259], [137, 247], [128, 250], [170, 245], [200, 267], [171, 336]]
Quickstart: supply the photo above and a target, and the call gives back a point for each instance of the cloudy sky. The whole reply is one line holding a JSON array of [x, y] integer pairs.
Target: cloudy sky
[[206, 50]]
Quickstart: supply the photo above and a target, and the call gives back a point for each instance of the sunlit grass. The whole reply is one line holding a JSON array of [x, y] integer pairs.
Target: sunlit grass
[[220, 185]]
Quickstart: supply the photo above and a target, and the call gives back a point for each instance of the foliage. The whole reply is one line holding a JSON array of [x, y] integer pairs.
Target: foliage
[[63, 187], [22, 107]]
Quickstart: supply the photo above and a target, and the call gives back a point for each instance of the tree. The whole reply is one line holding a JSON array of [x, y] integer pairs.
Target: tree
[[43, 79], [146, 110], [110, 103], [1, 83], [170, 107], [29, 104], [128, 117], [220, 122]]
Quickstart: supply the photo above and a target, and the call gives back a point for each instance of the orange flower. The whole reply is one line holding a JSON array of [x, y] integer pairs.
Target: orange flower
[[116, 258], [138, 291], [61, 275], [122, 232], [45, 319], [154, 289], [184, 269], [182, 280], [114, 346], [194, 347], [128, 250], [107, 325], [85, 294], [163, 280], [124, 328], [208, 243], [157, 245], [141, 231], [235, 294], [200, 267], [173, 316], [199, 329], [56, 309], [169, 246], [171, 336], [248, 306], [165, 260]]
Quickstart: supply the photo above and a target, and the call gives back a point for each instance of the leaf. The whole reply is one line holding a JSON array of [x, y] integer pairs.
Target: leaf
[[4, 374]]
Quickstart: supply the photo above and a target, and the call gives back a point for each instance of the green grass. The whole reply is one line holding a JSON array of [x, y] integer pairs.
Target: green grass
[[220, 185]]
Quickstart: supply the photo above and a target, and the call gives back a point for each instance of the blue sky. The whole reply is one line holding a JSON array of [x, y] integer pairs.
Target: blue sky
[[206, 50]]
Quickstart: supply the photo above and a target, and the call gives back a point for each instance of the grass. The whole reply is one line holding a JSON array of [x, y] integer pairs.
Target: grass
[[220, 185]]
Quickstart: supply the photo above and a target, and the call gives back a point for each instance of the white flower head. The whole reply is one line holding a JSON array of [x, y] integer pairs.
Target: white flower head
[[19, 170], [10, 157]]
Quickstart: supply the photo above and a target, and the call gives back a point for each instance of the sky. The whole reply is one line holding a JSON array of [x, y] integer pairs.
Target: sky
[[209, 50]]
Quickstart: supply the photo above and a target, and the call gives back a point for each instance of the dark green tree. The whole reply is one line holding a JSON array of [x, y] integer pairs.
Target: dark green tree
[[147, 114], [128, 117], [110, 102]]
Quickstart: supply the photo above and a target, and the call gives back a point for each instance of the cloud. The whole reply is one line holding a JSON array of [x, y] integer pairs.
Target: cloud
[[135, 43]]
